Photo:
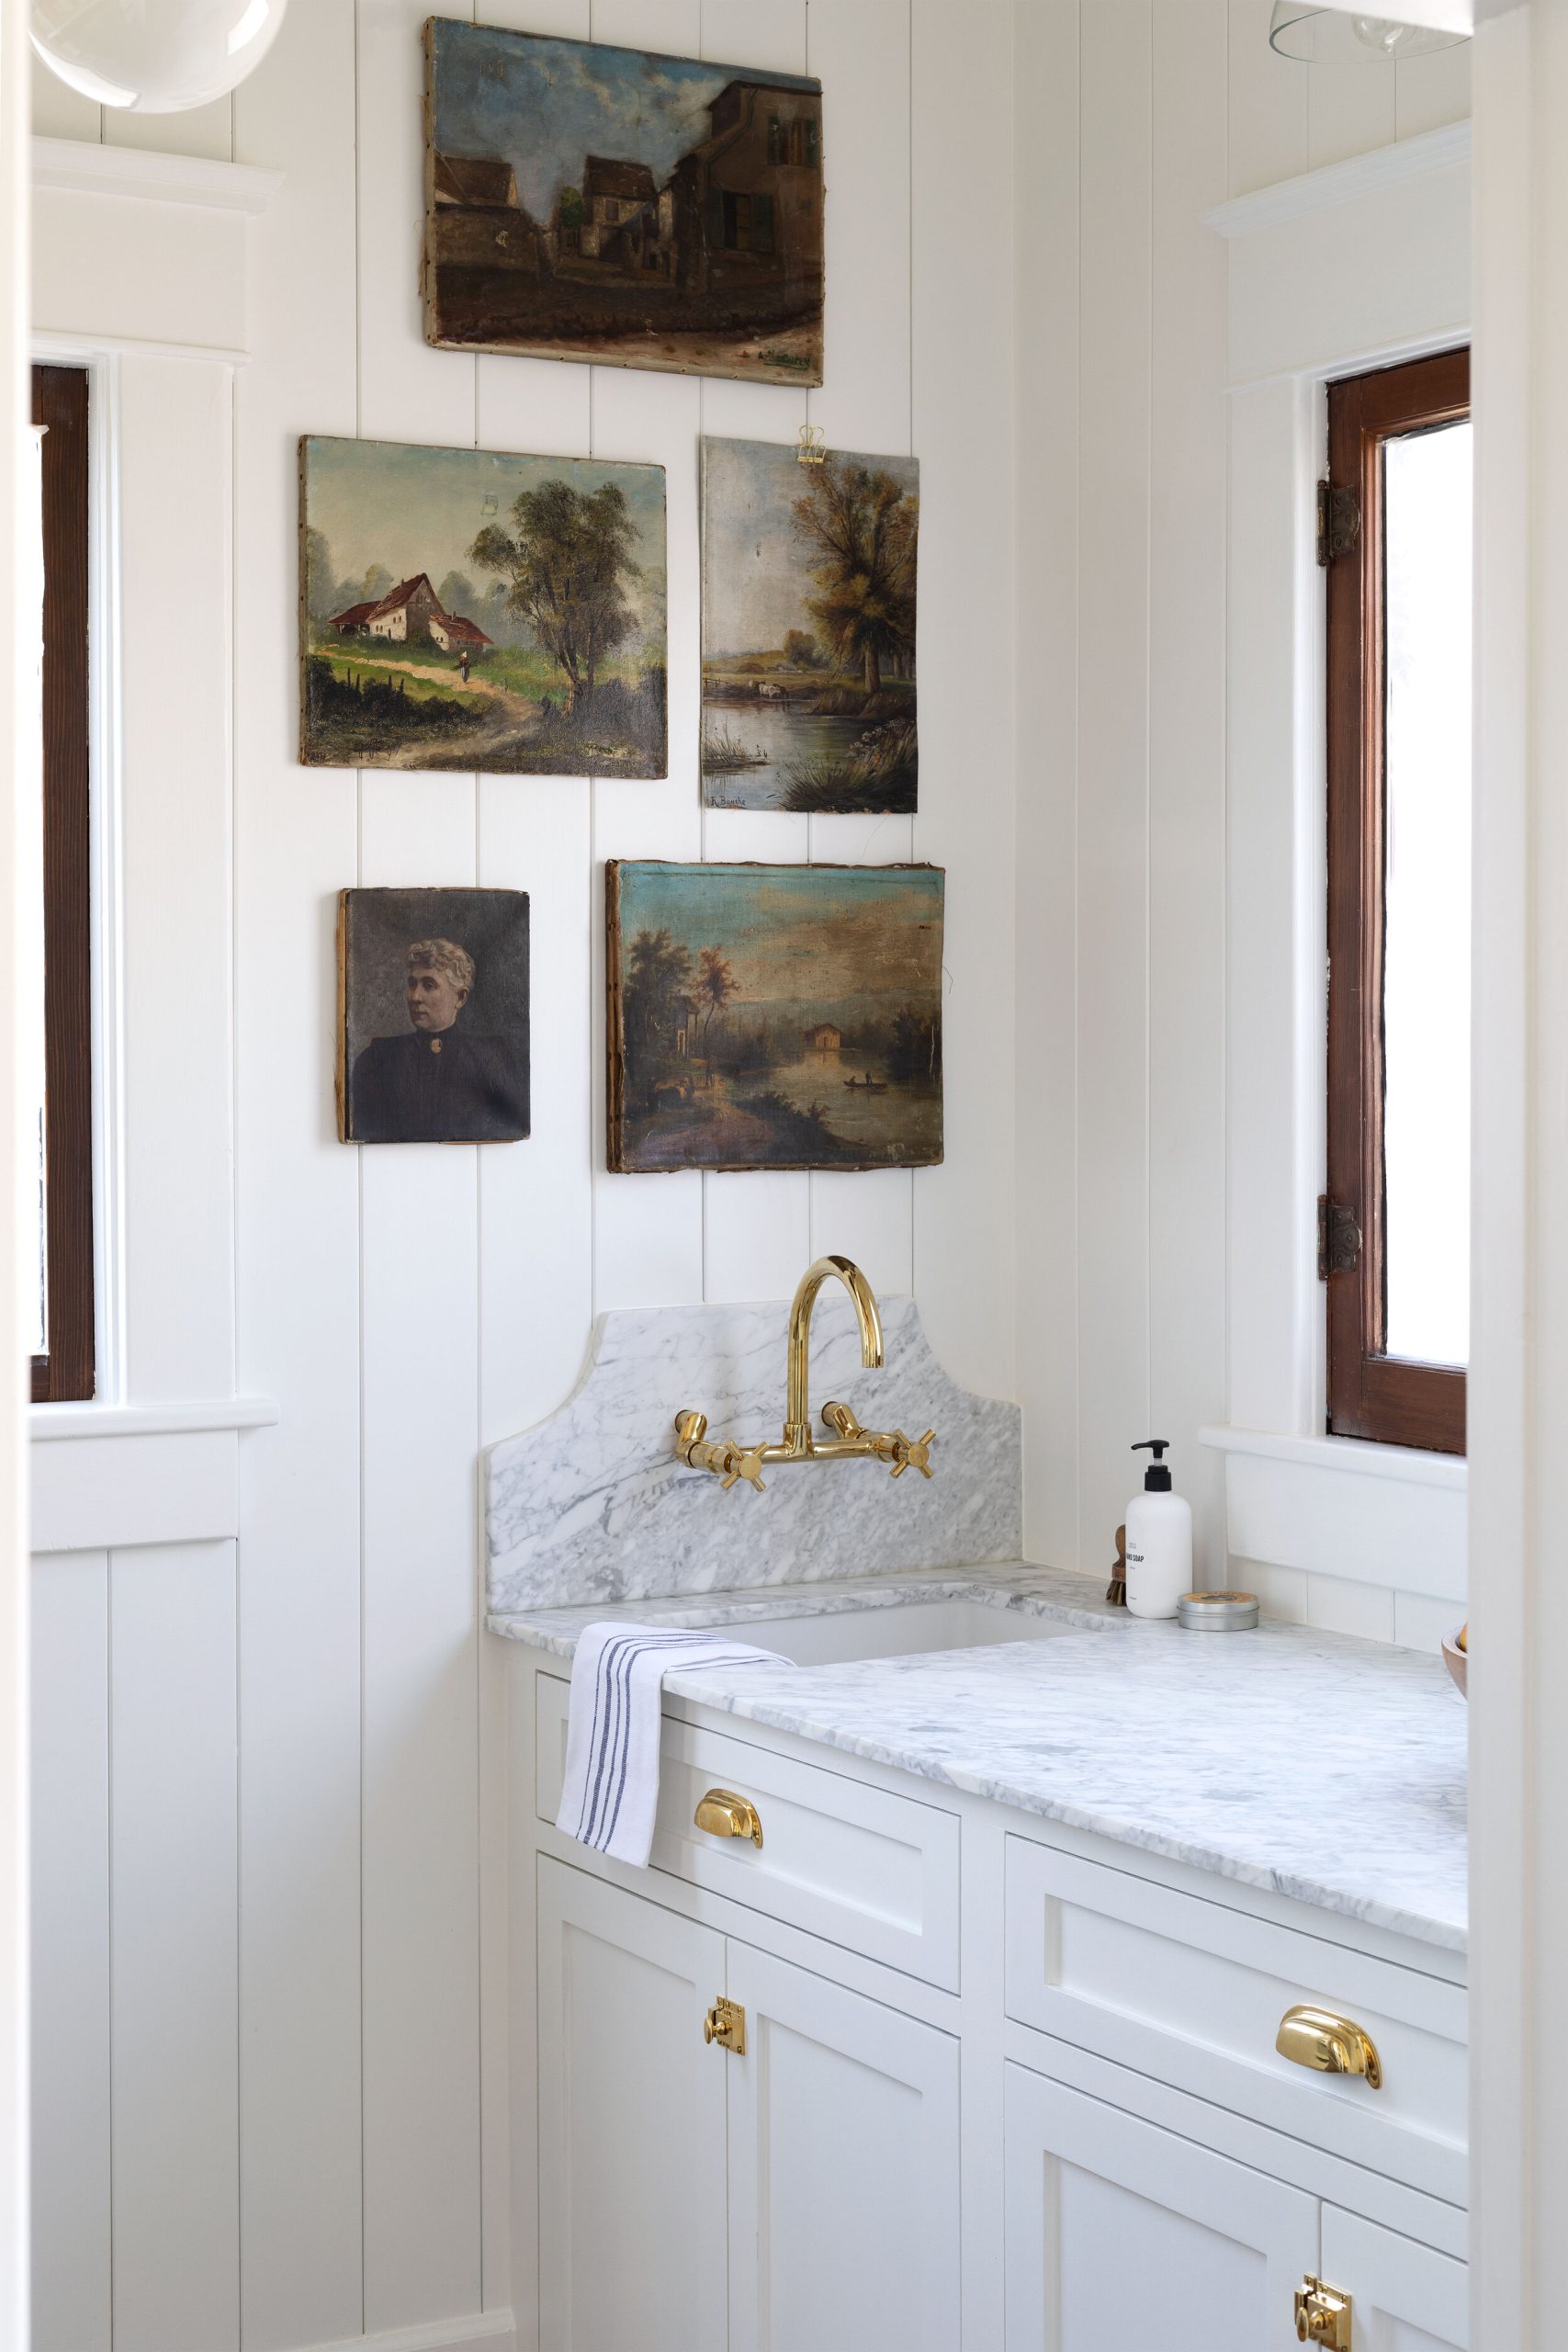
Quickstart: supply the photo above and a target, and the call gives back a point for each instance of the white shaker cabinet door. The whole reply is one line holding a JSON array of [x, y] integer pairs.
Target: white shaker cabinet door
[[1122, 2237], [1404, 2297], [631, 2123], [844, 2170]]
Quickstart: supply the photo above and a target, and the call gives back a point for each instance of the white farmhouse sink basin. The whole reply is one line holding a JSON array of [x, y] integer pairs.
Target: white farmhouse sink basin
[[906, 1629]]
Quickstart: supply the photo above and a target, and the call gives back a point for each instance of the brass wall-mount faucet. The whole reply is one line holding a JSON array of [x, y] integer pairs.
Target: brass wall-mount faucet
[[730, 1461]]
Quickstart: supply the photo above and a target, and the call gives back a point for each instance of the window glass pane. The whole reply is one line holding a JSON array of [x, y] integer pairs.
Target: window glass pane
[[1426, 939]]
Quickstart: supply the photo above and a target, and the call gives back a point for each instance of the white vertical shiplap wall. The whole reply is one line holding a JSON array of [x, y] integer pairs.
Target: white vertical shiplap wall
[[1142, 114], [272, 2064]]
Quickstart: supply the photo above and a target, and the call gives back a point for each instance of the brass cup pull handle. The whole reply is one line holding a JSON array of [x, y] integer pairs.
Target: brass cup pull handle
[[724, 1814], [1328, 2044]]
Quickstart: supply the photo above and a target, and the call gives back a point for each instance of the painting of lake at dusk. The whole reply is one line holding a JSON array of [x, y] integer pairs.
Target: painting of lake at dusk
[[774, 1016]]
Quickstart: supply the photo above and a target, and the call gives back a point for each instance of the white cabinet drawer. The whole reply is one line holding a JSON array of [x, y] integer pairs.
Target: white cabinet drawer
[[875, 1872], [1192, 1993]]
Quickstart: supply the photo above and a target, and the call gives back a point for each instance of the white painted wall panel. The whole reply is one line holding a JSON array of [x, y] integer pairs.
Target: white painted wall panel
[[165, 1487], [1267, 126], [962, 400], [420, 1274], [130, 281], [71, 2284], [174, 1949], [295, 831], [1113, 753], [1433, 91], [201, 131], [1187, 753], [59, 112], [176, 559], [1046, 657]]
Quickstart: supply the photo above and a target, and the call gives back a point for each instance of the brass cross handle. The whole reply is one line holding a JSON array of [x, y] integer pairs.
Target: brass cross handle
[[912, 1453], [744, 1461]]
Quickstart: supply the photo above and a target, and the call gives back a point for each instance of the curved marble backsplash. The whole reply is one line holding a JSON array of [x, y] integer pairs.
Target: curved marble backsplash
[[591, 1504]]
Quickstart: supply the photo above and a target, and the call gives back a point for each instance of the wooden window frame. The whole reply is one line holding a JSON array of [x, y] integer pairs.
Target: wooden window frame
[[68, 1371], [1371, 1394]]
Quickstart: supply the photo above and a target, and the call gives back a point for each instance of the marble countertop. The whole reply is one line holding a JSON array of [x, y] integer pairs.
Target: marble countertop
[[1316, 1766]]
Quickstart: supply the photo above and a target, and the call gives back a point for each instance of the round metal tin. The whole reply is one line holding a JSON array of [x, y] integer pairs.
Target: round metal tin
[[1217, 1612]]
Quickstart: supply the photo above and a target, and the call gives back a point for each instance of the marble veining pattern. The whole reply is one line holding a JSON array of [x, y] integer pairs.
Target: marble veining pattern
[[1325, 1769], [591, 1504]]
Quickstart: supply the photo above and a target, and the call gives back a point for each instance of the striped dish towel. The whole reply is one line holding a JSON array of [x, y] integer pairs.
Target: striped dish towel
[[611, 1739]]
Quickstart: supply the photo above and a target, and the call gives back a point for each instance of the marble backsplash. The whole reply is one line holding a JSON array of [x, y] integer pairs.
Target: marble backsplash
[[592, 1505]]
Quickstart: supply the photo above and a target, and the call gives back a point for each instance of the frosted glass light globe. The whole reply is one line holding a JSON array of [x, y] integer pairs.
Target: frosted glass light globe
[[1384, 35], [154, 56]]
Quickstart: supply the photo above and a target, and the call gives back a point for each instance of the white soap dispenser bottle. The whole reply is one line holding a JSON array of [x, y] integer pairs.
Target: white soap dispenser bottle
[[1159, 1540]]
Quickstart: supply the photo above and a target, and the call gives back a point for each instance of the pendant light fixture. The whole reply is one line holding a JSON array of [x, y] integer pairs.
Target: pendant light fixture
[[154, 56], [1336, 37]]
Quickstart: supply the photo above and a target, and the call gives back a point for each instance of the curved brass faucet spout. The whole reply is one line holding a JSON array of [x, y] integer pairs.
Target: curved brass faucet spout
[[797, 1410], [730, 1461]]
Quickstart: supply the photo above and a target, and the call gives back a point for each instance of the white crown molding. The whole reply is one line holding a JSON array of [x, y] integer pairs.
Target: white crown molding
[[1447, 149], [77, 167]]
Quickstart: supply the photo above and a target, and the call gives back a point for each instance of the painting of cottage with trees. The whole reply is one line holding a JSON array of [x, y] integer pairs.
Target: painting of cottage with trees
[[808, 629], [774, 1016], [460, 608], [587, 202]]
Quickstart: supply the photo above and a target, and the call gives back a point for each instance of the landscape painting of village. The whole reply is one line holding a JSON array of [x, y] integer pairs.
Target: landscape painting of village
[[808, 629], [464, 609], [585, 202], [774, 1016]]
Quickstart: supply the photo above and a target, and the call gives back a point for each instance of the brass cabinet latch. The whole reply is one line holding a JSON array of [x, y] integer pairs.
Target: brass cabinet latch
[[726, 2024], [1329, 2044], [1322, 2315], [1338, 521], [1339, 1238], [724, 1814]]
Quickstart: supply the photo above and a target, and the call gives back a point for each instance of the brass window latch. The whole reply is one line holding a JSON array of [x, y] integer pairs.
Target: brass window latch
[[726, 2024], [1322, 2315]]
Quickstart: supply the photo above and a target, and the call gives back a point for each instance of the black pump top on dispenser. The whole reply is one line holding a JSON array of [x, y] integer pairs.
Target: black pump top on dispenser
[[1156, 1478]]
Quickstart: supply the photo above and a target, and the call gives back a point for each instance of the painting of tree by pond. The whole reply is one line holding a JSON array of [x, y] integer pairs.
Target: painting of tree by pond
[[808, 629], [774, 1016], [461, 608]]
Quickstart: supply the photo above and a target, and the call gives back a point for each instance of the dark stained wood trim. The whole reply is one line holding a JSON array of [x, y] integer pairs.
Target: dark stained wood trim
[[60, 403], [1371, 1394]]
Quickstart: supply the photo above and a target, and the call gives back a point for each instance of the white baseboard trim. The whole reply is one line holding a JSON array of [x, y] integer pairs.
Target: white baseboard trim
[[480, 2332]]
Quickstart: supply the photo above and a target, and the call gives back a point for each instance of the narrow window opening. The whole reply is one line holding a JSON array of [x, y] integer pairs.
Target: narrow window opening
[[1399, 920], [62, 1364]]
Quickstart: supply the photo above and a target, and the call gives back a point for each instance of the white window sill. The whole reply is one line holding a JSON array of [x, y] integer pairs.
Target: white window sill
[[1403, 1462], [48, 1421]]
